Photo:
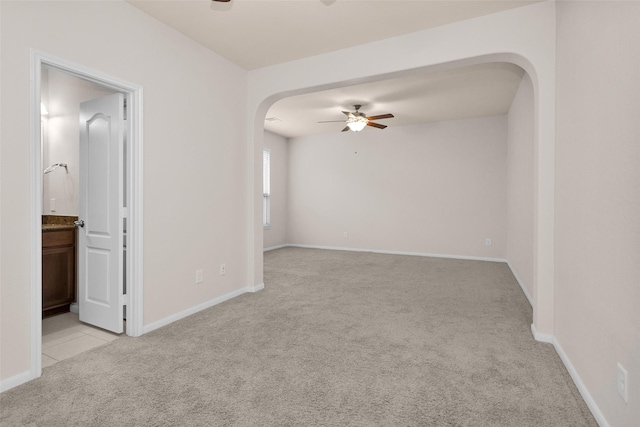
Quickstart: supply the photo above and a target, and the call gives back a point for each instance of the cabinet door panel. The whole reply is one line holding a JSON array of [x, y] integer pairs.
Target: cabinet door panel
[[58, 270]]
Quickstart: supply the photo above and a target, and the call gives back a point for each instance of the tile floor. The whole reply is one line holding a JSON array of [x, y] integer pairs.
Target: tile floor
[[64, 336]]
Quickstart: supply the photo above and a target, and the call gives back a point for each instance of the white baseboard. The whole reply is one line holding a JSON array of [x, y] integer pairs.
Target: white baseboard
[[591, 404], [540, 336], [524, 290], [273, 248], [188, 312], [256, 288], [377, 251], [15, 381]]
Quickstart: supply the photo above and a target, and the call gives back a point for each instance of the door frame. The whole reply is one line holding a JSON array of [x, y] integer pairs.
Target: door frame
[[134, 199]]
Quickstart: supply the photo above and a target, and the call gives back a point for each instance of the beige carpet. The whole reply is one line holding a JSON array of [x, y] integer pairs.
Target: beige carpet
[[335, 339]]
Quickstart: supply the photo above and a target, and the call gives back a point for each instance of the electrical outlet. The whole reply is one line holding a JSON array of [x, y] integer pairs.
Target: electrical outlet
[[622, 382], [488, 242], [199, 276], [223, 269], [345, 235], [52, 205]]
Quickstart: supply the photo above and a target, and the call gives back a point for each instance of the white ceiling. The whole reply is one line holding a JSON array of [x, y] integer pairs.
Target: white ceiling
[[259, 33], [473, 91]]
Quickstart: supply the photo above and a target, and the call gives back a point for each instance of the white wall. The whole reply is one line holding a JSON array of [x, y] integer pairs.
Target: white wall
[[520, 182], [195, 171], [276, 235], [593, 309], [62, 96], [437, 188], [524, 36], [598, 199]]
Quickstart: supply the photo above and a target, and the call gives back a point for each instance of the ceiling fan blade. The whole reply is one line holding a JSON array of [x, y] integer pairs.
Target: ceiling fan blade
[[376, 125], [384, 116], [348, 113], [345, 129], [332, 121]]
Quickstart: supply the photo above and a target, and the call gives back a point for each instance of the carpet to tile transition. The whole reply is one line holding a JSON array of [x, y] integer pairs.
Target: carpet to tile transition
[[334, 339]]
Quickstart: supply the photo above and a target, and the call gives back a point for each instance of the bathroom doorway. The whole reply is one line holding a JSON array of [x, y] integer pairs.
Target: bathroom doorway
[[58, 88], [84, 199]]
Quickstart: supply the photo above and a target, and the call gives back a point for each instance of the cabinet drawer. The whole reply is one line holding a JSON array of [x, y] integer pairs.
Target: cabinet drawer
[[58, 238]]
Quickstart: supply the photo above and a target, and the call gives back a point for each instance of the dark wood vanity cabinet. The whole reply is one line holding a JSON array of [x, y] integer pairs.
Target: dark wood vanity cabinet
[[58, 270]]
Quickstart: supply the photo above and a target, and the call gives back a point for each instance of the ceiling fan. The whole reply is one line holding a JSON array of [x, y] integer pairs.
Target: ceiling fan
[[356, 121]]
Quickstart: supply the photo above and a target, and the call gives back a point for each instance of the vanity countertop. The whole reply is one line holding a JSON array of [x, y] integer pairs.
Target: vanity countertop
[[55, 227], [58, 222]]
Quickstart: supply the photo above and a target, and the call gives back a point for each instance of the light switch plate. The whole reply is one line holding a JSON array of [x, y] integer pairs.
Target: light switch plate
[[622, 382]]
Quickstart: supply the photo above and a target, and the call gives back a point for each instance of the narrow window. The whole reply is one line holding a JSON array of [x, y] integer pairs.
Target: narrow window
[[266, 188]]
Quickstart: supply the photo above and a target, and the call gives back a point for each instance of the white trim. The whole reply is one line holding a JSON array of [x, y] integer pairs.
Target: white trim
[[273, 248], [35, 219], [378, 251], [541, 337], [591, 404], [256, 288], [524, 290], [207, 304], [135, 217], [134, 172], [15, 381]]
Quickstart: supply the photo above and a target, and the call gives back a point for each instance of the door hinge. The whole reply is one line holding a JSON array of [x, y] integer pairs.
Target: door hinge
[[124, 212], [124, 299]]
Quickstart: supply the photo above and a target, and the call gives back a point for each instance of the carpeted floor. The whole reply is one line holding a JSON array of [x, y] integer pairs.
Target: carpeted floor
[[335, 339]]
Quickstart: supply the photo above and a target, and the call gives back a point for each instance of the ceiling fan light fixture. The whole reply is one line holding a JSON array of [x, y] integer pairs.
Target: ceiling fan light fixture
[[357, 123]]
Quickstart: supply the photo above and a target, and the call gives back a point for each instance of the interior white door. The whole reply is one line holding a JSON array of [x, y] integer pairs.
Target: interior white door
[[100, 240]]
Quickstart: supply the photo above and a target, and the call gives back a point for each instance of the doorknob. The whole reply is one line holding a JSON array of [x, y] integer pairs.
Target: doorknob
[[79, 224]]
